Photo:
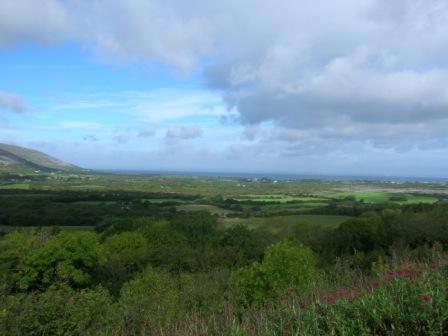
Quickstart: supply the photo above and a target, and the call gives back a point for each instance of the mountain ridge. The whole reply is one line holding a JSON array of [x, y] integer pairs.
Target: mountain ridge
[[14, 157]]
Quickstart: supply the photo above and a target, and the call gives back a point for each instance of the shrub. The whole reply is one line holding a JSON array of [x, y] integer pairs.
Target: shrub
[[62, 311], [148, 303], [285, 267]]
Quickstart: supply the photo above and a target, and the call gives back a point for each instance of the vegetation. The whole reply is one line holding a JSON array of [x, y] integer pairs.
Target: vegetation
[[119, 255]]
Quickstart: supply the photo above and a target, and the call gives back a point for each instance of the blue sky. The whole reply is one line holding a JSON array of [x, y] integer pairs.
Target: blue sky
[[291, 87]]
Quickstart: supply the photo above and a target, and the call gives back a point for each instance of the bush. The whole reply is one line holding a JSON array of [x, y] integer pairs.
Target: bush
[[148, 303], [62, 311], [286, 267]]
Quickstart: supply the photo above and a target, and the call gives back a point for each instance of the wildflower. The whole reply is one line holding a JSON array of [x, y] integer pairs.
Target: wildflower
[[425, 298], [433, 264], [405, 272], [329, 299], [250, 330]]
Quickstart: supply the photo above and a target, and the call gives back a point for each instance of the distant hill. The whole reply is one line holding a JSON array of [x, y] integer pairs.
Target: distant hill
[[20, 158]]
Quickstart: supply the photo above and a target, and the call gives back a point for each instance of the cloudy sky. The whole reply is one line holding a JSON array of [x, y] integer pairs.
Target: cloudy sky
[[284, 86]]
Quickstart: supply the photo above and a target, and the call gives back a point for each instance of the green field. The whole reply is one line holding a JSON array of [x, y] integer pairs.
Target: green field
[[205, 207], [88, 187], [384, 197], [21, 186], [279, 221], [415, 199], [281, 198], [5, 228], [163, 200]]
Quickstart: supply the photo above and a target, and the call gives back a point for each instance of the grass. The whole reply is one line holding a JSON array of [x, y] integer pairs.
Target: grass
[[163, 200], [282, 198], [6, 228], [204, 207], [88, 187], [415, 199], [384, 197], [320, 220], [21, 186]]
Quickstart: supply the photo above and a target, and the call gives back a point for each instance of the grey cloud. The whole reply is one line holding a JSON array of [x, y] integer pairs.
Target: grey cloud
[[146, 133], [373, 71], [43, 21], [90, 138], [12, 102], [184, 132], [121, 139]]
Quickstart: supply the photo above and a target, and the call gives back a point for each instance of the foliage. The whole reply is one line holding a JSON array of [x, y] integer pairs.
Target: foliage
[[148, 303], [69, 257], [280, 266], [285, 267], [61, 311]]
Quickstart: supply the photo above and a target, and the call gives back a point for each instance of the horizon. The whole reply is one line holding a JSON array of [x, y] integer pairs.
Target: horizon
[[358, 90]]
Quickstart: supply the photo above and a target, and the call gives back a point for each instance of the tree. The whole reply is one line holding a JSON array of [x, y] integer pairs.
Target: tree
[[126, 253], [69, 257]]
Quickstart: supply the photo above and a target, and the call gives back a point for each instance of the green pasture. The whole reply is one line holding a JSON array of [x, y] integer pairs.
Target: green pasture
[[163, 200], [204, 207], [280, 221], [282, 198], [8, 229], [21, 186], [415, 199], [384, 197], [88, 187]]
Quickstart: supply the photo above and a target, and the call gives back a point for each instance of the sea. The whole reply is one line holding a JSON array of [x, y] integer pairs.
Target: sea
[[281, 177]]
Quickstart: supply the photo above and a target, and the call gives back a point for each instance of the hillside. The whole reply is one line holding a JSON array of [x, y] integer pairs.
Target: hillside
[[19, 158]]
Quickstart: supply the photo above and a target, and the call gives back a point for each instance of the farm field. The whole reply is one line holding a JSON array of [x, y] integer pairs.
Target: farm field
[[279, 198], [384, 197], [214, 210], [16, 186], [284, 221]]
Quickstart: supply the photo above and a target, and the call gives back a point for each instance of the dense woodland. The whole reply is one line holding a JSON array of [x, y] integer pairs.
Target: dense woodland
[[114, 263]]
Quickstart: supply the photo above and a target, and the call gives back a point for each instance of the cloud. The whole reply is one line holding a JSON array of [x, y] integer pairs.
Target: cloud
[[121, 138], [184, 132], [146, 133], [23, 21], [12, 102], [371, 71], [90, 138], [80, 124]]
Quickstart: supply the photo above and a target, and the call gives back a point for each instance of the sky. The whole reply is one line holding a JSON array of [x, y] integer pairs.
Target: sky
[[342, 87]]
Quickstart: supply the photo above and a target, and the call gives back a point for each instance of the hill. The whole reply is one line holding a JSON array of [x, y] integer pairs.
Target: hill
[[15, 158]]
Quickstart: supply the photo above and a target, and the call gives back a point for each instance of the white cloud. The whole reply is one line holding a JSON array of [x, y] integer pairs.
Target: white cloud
[[328, 74], [79, 124], [184, 132]]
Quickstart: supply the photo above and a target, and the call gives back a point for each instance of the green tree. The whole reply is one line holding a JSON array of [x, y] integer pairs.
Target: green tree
[[126, 253], [69, 257]]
